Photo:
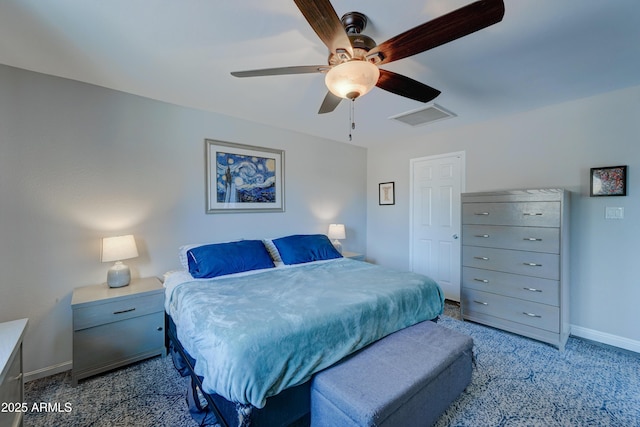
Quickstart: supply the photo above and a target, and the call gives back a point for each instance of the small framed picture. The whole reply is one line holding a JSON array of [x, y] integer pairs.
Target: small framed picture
[[386, 194], [609, 181]]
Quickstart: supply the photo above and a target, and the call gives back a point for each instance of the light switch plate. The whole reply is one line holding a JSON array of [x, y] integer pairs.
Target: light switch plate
[[612, 212]]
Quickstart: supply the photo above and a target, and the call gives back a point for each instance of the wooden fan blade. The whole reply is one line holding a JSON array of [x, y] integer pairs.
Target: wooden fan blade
[[404, 86], [302, 69], [330, 103], [449, 27], [324, 20]]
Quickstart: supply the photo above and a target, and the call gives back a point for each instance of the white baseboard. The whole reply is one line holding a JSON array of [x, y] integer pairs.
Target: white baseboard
[[47, 371], [605, 338]]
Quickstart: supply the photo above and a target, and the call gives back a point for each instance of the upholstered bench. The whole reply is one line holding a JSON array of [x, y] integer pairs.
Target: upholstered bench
[[408, 378]]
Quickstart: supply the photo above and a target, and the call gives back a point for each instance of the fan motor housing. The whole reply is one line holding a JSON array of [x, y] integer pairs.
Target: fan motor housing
[[354, 23]]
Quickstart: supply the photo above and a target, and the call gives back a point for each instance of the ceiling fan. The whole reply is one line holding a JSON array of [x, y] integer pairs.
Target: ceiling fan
[[354, 58]]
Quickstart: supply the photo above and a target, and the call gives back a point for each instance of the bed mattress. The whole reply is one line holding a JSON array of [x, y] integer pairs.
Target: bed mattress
[[255, 335]]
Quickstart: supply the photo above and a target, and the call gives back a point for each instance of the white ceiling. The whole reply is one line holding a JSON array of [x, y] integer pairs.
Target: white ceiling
[[543, 52]]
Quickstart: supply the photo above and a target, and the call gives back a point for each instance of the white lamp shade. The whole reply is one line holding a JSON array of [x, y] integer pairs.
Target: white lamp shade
[[352, 79], [118, 248], [337, 231]]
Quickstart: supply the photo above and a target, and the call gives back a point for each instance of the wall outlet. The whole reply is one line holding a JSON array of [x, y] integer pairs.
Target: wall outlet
[[611, 212]]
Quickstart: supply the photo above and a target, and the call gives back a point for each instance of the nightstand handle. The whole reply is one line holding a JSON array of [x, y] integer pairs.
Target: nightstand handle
[[124, 311]]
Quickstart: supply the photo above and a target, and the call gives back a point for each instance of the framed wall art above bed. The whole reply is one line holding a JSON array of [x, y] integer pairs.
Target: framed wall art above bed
[[243, 178]]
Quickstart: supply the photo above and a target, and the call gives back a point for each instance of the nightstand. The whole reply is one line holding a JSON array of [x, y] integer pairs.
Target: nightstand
[[113, 327], [353, 255]]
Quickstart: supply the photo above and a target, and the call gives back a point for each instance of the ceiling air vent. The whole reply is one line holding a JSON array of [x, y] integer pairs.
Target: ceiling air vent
[[429, 114]]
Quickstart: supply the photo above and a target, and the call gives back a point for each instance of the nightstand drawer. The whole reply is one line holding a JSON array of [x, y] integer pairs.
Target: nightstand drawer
[[528, 313], [527, 214], [117, 343], [120, 309], [534, 239]]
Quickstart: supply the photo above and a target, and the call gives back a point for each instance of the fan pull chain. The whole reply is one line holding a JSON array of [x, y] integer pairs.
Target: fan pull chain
[[352, 114]]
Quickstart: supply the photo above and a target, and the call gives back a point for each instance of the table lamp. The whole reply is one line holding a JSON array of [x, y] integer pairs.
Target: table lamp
[[116, 249], [337, 232]]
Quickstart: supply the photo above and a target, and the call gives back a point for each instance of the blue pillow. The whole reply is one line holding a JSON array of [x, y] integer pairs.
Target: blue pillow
[[301, 248], [228, 258]]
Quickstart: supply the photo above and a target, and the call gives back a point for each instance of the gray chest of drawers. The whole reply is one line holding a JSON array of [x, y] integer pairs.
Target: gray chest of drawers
[[515, 273], [113, 327]]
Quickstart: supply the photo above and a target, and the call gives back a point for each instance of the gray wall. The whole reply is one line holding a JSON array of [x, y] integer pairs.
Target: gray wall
[[549, 147], [80, 162]]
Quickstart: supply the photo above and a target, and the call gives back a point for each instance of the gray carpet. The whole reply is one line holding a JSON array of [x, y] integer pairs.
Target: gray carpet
[[516, 382]]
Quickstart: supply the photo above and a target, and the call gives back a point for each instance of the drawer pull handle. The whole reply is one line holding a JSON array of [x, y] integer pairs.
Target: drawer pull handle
[[480, 302], [532, 214], [481, 280], [484, 236], [481, 213], [532, 264], [124, 311], [532, 289], [532, 239], [483, 258], [531, 314]]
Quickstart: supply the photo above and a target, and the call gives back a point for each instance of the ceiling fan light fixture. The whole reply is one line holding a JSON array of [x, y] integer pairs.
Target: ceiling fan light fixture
[[352, 79]]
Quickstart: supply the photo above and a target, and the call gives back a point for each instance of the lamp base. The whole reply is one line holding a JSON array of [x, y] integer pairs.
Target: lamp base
[[118, 275], [338, 246]]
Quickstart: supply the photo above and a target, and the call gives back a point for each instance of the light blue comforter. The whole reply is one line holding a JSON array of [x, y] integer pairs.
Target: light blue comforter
[[254, 335]]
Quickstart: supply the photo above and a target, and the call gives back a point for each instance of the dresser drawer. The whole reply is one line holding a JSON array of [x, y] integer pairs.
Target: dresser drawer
[[528, 288], [534, 264], [534, 239], [527, 214], [116, 310], [117, 343], [528, 313]]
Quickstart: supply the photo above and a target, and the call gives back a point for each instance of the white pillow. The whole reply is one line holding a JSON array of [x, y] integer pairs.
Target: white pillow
[[182, 254], [273, 251]]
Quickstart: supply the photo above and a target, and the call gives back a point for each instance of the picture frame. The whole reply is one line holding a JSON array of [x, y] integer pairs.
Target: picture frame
[[243, 178], [608, 181], [386, 193]]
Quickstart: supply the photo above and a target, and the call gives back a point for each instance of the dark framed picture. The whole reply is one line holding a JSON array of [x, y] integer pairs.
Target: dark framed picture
[[609, 181], [243, 178], [386, 193]]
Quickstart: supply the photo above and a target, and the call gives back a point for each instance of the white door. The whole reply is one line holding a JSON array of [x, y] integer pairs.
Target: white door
[[437, 182]]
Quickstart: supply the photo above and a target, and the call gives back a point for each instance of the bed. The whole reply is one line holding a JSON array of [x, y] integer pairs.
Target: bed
[[252, 321]]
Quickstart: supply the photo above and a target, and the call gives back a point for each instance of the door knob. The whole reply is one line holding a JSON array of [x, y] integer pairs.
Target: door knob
[[455, 237]]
